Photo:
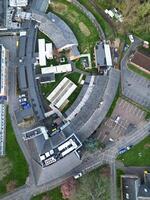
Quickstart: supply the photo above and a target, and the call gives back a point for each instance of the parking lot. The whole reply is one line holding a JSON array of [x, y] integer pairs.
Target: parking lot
[[125, 119], [137, 88]]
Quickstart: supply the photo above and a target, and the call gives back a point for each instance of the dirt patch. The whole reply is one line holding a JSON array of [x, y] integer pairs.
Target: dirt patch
[[84, 29], [59, 7], [105, 171], [46, 197], [11, 186], [5, 167], [146, 146]]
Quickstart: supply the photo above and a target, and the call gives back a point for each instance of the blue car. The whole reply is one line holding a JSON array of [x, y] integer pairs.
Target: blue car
[[124, 149]]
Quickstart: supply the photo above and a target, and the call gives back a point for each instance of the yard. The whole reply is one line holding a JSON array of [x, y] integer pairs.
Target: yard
[[82, 27], [138, 155], [14, 162], [138, 71]]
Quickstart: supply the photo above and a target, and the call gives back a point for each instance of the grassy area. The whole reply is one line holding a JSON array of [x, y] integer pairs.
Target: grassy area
[[138, 71], [113, 105], [105, 26], [48, 88], [119, 172], [54, 194], [138, 155], [82, 27], [74, 77], [147, 116], [19, 168]]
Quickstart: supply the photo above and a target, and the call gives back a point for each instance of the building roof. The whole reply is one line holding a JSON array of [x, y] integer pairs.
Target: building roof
[[22, 80], [144, 191], [103, 55], [22, 115], [2, 128], [18, 3], [3, 7], [45, 78], [56, 29], [57, 69], [130, 185], [57, 170], [41, 47], [141, 60], [61, 93]]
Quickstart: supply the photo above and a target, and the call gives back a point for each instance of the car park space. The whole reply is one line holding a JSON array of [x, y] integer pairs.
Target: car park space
[[125, 118]]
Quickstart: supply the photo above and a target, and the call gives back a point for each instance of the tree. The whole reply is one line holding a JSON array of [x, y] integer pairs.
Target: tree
[[68, 188]]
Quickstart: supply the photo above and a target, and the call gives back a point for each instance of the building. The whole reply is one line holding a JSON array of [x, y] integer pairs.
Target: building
[[103, 59], [3, 11], [59, 32], [133, 188], [60, 94], [18, 3], [50, 155], [45, 51], [2, 128], [57, 69], [141, 61], [3, 73], [46, 78]]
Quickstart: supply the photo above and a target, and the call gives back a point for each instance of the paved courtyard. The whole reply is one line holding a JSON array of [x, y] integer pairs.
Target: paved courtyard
[[125, 118]]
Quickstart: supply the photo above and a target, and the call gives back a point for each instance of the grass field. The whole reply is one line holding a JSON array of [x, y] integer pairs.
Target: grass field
[[51, 195], [19, 169], [105, 26], [138, 155], [138, 71], [82, 27]]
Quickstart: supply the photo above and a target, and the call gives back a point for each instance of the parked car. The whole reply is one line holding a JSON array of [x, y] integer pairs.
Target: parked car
[[78, 175]]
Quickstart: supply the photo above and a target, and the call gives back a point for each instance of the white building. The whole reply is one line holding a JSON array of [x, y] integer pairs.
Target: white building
[[18, 3], [2, 128], [108, 55], [3, 72], [45, 51], [57, 69], [61, 93]]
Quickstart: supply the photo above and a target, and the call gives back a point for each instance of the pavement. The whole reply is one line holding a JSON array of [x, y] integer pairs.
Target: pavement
[[134, 86]]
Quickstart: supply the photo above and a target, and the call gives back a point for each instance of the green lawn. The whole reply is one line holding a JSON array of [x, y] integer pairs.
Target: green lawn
[[138, 71], [54, 194], [49, 87], [82, 27], [138, 155], [19, 170], [119, 172]]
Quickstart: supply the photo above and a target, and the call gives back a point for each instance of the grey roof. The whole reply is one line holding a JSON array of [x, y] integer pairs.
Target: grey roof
[[22, 80], [56, 29], [144, 191], [130, 186], [50, 77], [100, 54], [99, 114], [80, 96], [92, 113], [3, 7], [40, 5], [56, 170], [22, 46], [21, 115]]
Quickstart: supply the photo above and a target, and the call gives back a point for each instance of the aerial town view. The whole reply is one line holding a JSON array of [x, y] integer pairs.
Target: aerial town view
[[74, 99]]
